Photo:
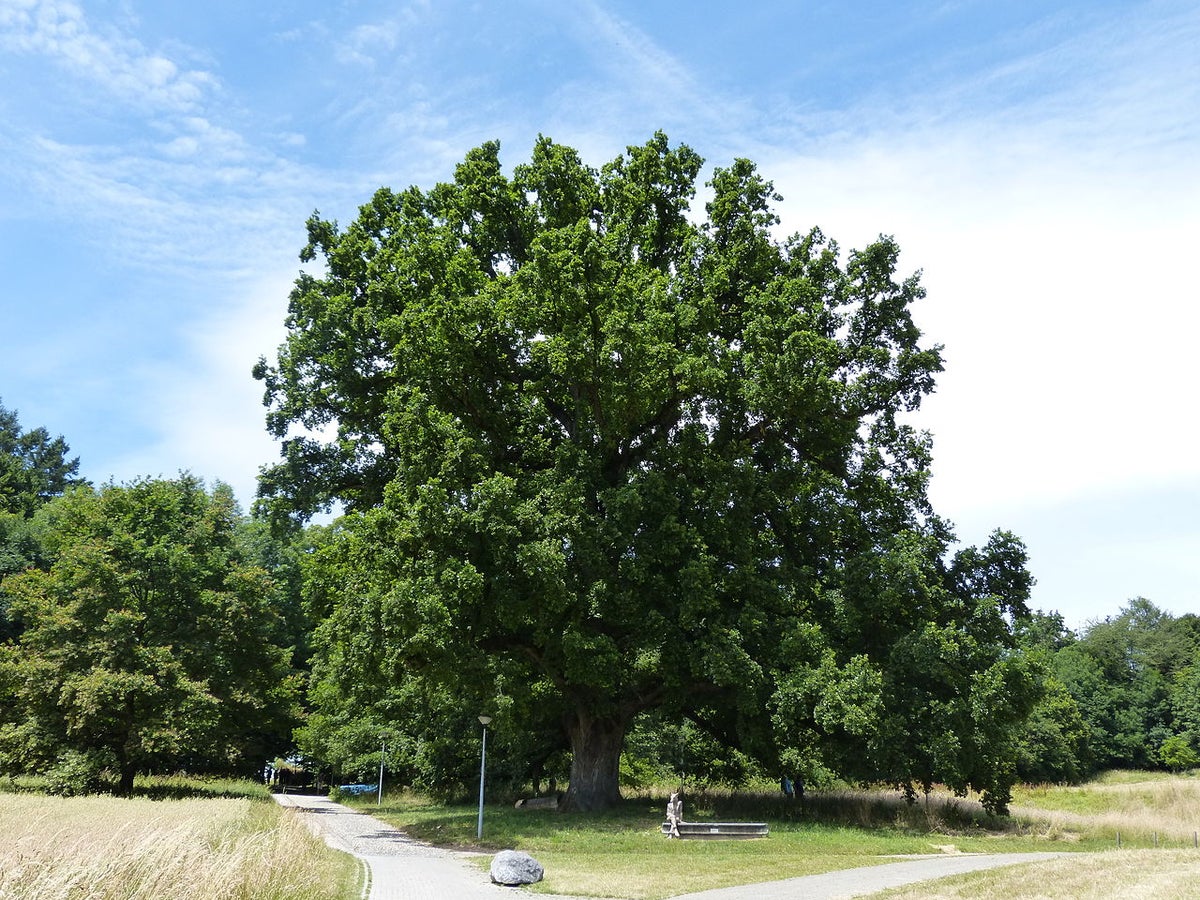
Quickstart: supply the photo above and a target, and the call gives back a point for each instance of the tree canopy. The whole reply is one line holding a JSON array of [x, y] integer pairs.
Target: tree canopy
[[602, 454], [33, 466], [34, 469], [147, 644]]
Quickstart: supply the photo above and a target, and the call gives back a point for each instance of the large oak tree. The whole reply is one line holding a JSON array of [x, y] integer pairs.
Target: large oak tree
[[602, 454]]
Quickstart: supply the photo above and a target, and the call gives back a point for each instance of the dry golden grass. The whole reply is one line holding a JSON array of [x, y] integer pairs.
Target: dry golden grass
[[1127, 874], [102, 848], [1168, 808]]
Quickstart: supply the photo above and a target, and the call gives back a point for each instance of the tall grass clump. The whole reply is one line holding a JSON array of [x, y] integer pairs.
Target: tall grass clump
[[1130, 875], [1141, 809], [103, 848]]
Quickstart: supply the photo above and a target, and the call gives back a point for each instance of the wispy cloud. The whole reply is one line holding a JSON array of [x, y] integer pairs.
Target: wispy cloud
[[197, 201], [364, 43], [633, 85], [207, 413], [121, 65], [1047, 224]]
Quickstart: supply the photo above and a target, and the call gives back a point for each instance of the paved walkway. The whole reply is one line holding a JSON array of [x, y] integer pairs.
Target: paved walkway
[[862, 882], [404, 869], [401, 868]]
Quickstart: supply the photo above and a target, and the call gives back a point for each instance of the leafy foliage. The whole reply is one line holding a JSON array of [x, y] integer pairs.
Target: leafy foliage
[[33, 469], [147, 644], [1121, 694], [599, 458], [33, 466]]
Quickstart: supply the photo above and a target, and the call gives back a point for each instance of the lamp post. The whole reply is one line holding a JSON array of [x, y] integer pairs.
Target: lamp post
[[382, 751], [484, 721]]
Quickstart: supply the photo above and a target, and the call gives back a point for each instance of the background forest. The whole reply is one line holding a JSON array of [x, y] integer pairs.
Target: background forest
[[1120, 693], [641, 488]]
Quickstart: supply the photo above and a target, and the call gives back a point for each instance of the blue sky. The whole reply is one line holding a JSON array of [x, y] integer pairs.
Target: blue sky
[[1040, 162]]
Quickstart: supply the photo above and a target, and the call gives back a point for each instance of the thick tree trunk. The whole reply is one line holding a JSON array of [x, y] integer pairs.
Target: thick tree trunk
[[125, 786], [595, 762], [125, 769], [125, 765]]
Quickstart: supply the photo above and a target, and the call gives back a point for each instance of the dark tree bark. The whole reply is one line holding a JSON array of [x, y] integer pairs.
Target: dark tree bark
[[125, 786], [596, 744]]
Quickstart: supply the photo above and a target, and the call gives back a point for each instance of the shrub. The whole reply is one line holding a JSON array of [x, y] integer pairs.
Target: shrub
[[74, 774]]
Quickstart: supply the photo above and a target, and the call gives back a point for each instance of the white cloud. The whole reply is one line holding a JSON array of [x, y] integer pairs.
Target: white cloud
[[1053, 207], [1050, 233], [1067, 341], [364, 43], [219, 146], [372, 42], [203, 405], [118, 64]]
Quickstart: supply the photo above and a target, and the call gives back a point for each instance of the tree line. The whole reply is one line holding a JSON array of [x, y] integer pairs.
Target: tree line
[[639, 481], [141, 631]]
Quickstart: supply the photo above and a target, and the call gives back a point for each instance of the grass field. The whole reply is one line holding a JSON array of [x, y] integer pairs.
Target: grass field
[[1124, 874], [1142, 806], [223, 848], [622, 854], [228, 841]]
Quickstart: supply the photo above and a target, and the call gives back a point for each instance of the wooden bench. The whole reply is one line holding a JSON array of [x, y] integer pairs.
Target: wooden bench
[[718, 831]]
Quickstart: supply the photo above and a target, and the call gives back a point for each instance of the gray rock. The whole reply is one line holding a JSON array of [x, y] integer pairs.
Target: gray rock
[[513, 867]]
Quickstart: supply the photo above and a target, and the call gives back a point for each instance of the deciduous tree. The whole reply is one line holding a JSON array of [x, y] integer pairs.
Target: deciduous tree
[[603, 454], [147, 644], [33, 466]]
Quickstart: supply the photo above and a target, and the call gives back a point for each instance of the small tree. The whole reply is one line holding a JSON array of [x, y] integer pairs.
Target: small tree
[[1177, 753]]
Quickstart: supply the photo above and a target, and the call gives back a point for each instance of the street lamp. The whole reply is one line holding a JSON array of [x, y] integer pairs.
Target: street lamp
[[484, 721], [382, 751]]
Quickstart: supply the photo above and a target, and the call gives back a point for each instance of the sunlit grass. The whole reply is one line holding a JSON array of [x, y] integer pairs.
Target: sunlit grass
[[1142, 807], [1128, 874], [621, 852], [104, 848]]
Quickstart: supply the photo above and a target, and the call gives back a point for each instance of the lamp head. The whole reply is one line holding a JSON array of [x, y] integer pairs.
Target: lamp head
[[485, 721]]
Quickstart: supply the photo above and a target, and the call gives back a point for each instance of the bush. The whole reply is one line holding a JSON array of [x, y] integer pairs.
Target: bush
[[1177, 754], [74, 774]]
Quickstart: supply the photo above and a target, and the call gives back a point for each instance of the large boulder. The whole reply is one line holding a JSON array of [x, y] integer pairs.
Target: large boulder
[[512, 867]]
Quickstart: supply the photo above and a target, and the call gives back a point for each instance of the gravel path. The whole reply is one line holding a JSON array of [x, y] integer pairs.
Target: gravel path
[[401, 868], [405, 869]]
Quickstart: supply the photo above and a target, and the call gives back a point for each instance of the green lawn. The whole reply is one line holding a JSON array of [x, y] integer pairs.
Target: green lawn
[[621, 853]]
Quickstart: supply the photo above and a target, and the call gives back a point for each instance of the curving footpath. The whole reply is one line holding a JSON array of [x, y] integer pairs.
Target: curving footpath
[[400, 868], [404, 869], [847, 883]]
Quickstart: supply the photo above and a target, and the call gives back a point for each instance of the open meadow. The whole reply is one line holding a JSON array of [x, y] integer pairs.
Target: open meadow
[[105, 848], [622, 854], [239, 845]]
